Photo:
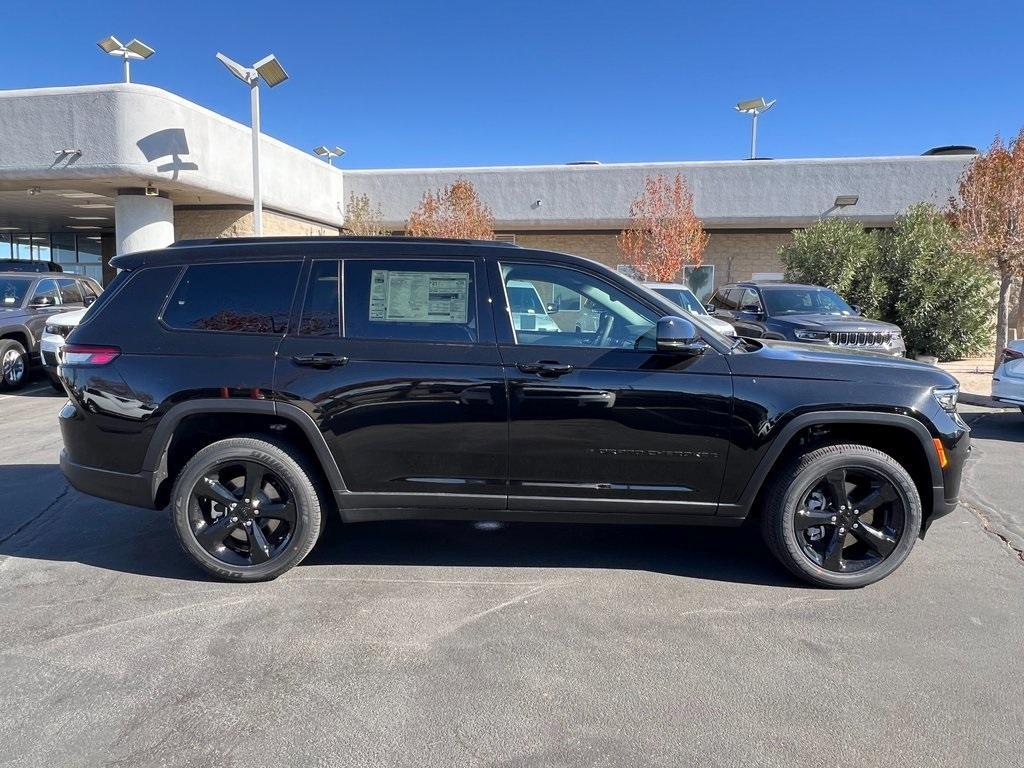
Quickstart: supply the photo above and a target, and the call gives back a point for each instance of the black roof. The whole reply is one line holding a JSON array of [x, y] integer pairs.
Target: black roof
[[212, 249]]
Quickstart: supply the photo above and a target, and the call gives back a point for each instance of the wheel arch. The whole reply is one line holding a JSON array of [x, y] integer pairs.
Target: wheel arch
[[903, 437], [20, 335], [195, 423]]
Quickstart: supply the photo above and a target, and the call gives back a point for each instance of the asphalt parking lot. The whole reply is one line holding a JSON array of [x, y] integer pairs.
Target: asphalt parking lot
[[429, 644]]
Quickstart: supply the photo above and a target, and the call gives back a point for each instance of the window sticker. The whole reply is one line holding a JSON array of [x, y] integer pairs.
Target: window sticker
[[419, 297]]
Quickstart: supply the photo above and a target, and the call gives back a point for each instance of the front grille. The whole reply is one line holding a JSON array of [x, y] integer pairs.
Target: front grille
[[859, 338]]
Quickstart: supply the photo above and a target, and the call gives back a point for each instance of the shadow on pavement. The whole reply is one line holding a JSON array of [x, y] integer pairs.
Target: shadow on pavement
[[1007, 426], [47, 520]]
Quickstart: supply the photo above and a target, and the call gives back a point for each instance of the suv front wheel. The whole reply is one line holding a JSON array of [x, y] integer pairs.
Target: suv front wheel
[[245, 510], [842, 515]]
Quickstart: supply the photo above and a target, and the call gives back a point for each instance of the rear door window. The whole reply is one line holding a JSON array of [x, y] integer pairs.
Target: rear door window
[[321, 310], [250, 297], [70, 293], [410, 300]]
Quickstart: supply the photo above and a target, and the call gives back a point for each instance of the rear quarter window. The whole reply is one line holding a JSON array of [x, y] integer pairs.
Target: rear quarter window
[[240, 297]]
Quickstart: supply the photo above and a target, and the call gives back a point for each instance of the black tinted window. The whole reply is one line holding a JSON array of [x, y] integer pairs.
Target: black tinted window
[[721, 299], [235, 298], [410, 300], [321, 311], [70, 293]]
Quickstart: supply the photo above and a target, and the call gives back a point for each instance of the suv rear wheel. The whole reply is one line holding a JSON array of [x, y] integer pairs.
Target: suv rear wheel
[[13, 364], [245, 509], [842, 516]]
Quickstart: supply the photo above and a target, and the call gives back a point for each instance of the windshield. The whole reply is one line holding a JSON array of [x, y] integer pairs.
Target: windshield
[[524, 299], [13, 290], [684, 298], [805, 301]]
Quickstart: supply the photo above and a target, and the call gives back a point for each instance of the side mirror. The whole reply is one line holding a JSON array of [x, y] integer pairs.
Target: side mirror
[[43, 301], [752, 309], [551, 309], [678, 336], [856, 309]]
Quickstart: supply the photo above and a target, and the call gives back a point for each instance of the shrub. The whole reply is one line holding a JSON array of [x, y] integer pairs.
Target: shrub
[[838, 254], [943, 299]]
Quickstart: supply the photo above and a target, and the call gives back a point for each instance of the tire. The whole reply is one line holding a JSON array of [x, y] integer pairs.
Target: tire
[[14, 365], [55, 383], [282, 539], [853, 550]]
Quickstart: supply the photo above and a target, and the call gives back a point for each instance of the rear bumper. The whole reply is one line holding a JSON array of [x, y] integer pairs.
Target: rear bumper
[[134, 490]]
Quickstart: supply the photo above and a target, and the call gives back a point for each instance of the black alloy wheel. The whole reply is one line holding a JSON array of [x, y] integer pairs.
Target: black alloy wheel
[[851, 519], [242, 513], [246, 509], [842, 515]]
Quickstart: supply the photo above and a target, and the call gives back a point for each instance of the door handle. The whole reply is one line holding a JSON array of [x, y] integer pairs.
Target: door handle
[[320, 360], [545, 368]]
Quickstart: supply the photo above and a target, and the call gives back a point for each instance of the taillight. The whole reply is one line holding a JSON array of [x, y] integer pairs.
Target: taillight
[[86, 354], [1012, 354]]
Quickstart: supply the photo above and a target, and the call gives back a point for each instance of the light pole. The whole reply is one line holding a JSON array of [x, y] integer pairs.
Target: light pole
[[328, 153], [272, 73], [754, 107], [136, 50]]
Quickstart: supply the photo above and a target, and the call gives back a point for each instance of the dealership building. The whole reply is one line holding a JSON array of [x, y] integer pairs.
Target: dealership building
[[87, 172]]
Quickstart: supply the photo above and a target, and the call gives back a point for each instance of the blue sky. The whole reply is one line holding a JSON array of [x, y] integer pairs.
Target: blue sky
[[402, 84]]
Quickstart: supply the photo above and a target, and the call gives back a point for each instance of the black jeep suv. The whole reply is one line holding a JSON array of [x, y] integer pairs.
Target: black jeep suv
[[806, 313], [256, 386]]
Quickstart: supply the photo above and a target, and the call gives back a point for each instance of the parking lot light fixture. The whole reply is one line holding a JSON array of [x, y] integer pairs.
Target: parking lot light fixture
[[328, 153], [268, 69], [136, 50], [754, 108]]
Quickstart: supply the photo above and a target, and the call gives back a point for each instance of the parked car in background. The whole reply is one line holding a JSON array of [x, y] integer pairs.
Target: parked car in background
[[528, 311], [27, 265], [1008, 380], [55, 332], [27, 302], [809, 314], [684, 298], [257, 386]]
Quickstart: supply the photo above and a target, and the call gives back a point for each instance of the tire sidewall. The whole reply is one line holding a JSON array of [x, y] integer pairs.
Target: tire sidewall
[[812, 474], [306, 504], [5, 347]]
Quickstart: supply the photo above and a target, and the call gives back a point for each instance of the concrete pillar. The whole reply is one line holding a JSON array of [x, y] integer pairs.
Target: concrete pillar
[[142, 222]]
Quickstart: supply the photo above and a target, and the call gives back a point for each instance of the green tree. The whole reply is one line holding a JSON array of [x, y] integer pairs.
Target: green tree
[[838, 254], [942, 298]]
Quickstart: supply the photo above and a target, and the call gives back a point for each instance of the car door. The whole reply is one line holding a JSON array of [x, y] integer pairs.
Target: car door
[[748, 317], [597, 422], [396, 361]]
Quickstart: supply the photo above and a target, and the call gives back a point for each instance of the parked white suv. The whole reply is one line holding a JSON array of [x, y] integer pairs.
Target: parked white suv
[[684, 298], [55, 332], [1008, 380]]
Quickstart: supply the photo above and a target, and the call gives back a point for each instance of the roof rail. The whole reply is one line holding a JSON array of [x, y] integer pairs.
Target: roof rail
[[335, 239]]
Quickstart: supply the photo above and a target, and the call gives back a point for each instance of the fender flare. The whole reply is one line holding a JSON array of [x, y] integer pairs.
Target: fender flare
[[900, 421], [155, 461]]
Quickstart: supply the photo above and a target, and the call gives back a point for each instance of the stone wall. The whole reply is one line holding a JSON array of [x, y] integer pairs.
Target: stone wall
[[736, 255], [191, 222]]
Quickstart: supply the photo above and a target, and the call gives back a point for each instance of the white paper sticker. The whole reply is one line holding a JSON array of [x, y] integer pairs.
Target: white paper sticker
[[419, 297]]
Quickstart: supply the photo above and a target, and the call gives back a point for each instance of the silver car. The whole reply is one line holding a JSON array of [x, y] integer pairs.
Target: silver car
[[683, 297]]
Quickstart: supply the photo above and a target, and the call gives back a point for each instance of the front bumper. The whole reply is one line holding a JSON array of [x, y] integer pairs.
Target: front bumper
[[49, 349]]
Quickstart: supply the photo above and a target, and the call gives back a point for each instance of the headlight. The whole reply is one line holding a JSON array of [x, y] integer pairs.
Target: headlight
[[946, 397], [51, 329], [812, 335]]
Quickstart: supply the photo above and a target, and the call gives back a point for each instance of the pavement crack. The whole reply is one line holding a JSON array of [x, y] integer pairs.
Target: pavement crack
[[37, 516], [986, 524]]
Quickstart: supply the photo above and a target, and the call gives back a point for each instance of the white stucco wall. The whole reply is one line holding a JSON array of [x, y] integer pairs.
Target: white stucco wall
[[131, 135], [743, 193]]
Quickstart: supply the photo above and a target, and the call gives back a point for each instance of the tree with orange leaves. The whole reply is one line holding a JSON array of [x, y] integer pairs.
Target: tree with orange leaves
[[664, 234], [454, 211], [989, 216]]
